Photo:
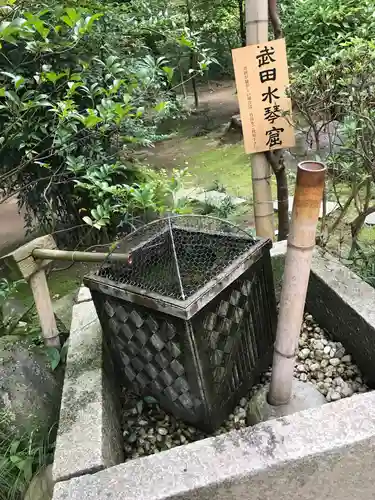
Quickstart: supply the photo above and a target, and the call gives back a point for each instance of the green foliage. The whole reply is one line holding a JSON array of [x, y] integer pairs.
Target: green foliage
[[339, 90], [7, 291], [120, 204], [20, 459], [316, 29], [56, 356], [72, 100]]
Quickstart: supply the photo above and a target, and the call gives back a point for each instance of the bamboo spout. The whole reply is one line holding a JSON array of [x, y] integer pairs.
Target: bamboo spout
[[72, 256], [301, 243]]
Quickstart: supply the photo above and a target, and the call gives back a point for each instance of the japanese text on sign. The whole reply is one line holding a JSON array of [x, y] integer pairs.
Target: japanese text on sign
[[262, 78]]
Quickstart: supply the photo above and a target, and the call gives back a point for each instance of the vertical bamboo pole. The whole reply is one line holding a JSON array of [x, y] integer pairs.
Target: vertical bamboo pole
[[257, 31], [301, 243]]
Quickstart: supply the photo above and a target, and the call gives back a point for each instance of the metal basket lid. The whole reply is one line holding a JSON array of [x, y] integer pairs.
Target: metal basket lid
[[176, 256]]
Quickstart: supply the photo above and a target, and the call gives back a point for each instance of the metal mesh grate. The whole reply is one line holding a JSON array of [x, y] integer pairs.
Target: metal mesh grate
[[177, 256]]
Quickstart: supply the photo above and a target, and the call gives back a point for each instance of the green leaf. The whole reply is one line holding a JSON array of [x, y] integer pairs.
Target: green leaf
[[169, 71], [54, 357], [27, 468], [12, 96], [87, 220], [67, 21], [18, 81], [160, 106], [91, 120], [14, 447], [15, 459], [64, 351]]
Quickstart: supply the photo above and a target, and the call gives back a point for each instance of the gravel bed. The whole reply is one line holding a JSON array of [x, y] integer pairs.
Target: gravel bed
[[147, 429]]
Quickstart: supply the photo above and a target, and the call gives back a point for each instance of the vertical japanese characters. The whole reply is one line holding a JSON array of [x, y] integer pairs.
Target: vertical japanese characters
[[250, 106], [272, 110], [261, 72]]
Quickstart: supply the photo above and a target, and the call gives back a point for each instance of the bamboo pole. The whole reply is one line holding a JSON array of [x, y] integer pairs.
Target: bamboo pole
[[301, 243], [257, 31], [72, 256]]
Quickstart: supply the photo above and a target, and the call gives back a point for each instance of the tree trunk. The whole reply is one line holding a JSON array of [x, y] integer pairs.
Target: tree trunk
[[257, 31], [279, 169], [193, 80], [283, 203], [241, 11], [192, 64]]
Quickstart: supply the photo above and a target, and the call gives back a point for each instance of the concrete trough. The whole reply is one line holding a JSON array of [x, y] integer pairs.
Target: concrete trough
[[323, 452]]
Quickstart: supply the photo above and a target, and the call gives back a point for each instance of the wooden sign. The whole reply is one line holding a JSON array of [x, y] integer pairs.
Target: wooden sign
[[261, 73]]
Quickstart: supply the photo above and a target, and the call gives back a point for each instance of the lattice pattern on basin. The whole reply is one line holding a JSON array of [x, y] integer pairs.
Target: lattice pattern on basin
[[224, 326], [151, 354]]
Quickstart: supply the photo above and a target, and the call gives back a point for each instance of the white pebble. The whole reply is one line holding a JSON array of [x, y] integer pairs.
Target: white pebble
[[335, 396], [334, 361], [338, 381], [324, 363], [346, 359], [346, 390], [318, 345], [304, 353]]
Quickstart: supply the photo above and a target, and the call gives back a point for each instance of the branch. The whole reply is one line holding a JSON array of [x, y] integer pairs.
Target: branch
[[275, 19], [274, 159]]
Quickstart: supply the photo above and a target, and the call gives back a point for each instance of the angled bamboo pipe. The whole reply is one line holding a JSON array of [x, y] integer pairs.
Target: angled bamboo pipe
[[301, 243]]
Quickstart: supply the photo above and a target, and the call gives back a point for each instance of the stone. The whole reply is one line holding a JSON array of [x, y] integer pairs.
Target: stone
[[318, 345], [89, 436], [304, 396], [306, 456], [41, 486], [213, 198], [304, 353], [84, 295], [63, 309], [345, 390], [334, 361], [340, 352], [324, 363], [342, 304], [335, 396], [314, 367], [30, 391], [346, 359], [14, 310], [370, 220]]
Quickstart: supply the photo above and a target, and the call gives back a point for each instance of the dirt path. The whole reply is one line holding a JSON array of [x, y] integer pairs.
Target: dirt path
[[217, 104], [12, 231]]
